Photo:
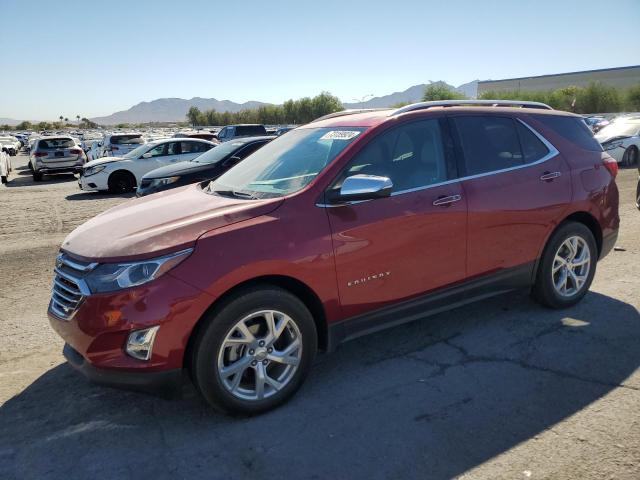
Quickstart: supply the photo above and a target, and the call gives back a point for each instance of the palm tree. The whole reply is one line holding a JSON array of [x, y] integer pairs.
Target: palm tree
[[78, 118], [66, 120], [61, 117]]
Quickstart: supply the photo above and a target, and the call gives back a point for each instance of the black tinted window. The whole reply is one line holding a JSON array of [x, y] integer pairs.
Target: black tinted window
[[249, 149], [246, 130], [411, 155], [127, 140], [52, 143], [532, 146], [572, 129], [488, 143]]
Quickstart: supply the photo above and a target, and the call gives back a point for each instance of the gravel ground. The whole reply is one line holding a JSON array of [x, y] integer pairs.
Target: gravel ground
[[502, 389]]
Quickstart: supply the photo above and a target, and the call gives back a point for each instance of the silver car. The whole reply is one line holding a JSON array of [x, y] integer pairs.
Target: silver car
[[58, 154], [119, 144]]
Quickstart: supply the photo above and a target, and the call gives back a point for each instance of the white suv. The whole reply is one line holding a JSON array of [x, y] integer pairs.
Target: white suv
[[123, 174]]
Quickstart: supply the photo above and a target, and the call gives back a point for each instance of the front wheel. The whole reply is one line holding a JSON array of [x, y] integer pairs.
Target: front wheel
[[121, 182], [567, 266], [630, 156], [255, 351]]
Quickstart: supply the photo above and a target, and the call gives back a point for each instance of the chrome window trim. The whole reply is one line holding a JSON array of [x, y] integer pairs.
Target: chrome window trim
[[553, 152]]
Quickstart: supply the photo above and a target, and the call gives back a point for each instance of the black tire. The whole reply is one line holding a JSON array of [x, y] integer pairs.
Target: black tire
[[121, 182], [4, 178], [630, 157], [37, 176], [544, 291], [219, 323]]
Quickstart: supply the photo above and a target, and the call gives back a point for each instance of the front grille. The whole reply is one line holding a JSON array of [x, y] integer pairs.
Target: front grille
[[69, 287]]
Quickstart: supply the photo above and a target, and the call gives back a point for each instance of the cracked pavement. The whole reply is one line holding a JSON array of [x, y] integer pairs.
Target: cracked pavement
[[501, 389]]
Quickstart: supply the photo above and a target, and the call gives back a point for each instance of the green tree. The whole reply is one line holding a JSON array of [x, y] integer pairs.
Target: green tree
[[24, 126], [195, 116], [599, 98], [439, 91], [632, 99]]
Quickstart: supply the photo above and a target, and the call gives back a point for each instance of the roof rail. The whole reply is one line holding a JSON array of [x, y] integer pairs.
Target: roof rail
[[465, 103], [343, 113]]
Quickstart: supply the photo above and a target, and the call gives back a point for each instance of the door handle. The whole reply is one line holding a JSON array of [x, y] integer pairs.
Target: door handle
[[548, 176], [444, 201]]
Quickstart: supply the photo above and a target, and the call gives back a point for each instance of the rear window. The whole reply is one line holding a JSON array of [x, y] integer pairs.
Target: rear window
[[52, 143], [127, 140], [572, 129], [244, 130], [202, 136]]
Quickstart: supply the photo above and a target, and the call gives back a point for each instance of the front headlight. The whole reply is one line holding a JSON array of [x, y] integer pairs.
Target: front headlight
[[159, 182], [612, 145], [93, 170], [109, 277]]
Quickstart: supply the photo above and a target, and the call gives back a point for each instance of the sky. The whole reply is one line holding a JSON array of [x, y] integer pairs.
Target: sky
[[92, 58]]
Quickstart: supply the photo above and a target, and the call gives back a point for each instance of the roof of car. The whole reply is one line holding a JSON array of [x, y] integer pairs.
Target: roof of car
[[251, 139], [159, 141], [372, 118]]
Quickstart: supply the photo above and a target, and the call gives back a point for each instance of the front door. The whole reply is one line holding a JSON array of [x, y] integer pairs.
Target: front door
[[391, 249]]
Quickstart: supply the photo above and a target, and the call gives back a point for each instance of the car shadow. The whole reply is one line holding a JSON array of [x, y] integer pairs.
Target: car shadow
[[25, 179], [430, 399], [98, 195]]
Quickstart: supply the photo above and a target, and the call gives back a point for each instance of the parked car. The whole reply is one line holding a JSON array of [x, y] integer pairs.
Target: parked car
[[10, 145], [123, 174], [5, 167], [119, 144], [596, 122], [344, 226], [283, 130], [54, 155], [208, 166], [209, 136], [621, 140], [231, 132]]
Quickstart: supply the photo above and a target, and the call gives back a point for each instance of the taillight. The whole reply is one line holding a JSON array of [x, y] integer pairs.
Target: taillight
[[40, 154], [75, 151], [611, 165]]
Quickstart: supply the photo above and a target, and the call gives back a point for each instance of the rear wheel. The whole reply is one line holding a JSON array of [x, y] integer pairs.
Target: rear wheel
[[255, 351], [630, 157], [4, 178], [567, 266], [121, 182], [37, 176]]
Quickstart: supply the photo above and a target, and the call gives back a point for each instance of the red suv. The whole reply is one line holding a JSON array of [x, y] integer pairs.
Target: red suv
[[350, 224]]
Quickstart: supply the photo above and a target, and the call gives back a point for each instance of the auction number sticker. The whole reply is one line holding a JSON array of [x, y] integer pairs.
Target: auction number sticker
[[340, 135]]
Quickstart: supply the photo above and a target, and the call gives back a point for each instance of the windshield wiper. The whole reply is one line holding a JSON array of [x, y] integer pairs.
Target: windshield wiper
[[235, 194]]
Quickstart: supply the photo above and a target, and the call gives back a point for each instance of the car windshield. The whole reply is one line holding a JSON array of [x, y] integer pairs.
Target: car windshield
[[219, 153], [620, 129], [136, 152], [286, 164]]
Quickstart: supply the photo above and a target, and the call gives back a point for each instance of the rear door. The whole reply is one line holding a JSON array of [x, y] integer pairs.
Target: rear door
[[517, 187], [391, 249]]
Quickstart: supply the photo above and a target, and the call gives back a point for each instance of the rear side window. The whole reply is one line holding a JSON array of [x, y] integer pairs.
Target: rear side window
[[245, 130], [194, 147], [571, 129], [127, 140], [52, 143], [532, 147], [488, 143]]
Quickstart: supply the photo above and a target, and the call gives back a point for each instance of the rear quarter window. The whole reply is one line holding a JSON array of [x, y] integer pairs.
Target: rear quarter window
[[571, 129]]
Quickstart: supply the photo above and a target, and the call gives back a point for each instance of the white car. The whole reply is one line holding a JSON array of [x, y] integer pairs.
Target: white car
[[621, 140], [123, 174], [5, 167], [10, 145]]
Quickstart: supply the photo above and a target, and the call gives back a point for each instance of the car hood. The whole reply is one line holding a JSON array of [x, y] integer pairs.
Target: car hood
[[157, 224], [181, 168], [103, 160], [608, 138]]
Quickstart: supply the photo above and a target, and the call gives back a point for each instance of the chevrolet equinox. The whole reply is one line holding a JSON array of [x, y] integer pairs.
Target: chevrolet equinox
[[355, 222]]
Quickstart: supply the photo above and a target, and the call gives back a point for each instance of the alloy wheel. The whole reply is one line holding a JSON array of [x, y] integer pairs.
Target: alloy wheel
[[260, 355], [571, 266]]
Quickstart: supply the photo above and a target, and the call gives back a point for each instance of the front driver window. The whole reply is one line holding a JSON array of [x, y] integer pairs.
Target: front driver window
[[411, 155], [157, 151]]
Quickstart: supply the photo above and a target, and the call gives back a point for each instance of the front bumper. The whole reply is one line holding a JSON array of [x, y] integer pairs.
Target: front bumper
[[93, 183], [164, 381]]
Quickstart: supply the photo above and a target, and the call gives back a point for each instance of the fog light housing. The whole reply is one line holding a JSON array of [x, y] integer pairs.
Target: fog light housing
[[140, 343]]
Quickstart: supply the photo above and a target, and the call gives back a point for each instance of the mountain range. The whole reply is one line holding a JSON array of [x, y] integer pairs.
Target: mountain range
[[175, 109]]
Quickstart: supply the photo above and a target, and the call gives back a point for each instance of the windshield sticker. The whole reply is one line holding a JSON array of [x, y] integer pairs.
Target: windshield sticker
[[340, 135]]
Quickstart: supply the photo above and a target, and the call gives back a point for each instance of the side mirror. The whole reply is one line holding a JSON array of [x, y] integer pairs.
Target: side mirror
[[146, 155], [363, 187]]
